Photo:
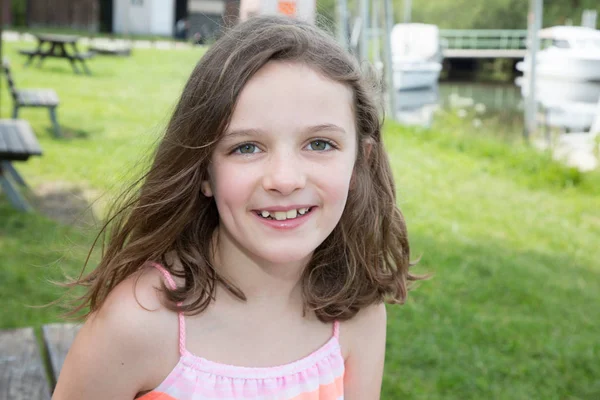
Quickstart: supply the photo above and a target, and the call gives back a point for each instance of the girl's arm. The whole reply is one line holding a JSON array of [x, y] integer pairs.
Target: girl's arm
[[110, 356], [364, 363]]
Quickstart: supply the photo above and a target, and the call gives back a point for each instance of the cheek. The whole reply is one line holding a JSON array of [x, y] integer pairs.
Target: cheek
[[335, 181], [231, 185]]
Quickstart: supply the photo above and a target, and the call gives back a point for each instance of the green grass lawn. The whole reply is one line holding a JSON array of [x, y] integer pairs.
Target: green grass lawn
[[511, 238]]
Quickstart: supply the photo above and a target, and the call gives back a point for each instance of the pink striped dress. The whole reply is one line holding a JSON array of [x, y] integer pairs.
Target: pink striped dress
[[318, 376]]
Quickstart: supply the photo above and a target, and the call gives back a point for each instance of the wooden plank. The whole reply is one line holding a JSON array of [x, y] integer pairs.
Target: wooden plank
[[26, 97], [28, 52], [28, 137], [13, 139], [37, 97], [3, 144], [58, 339], [18, 141], [57, 38], [110, 49], [49, 97], [22, 374]]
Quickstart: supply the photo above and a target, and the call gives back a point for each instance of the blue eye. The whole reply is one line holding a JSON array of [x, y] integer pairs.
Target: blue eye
[[246, 148], [320, 145]]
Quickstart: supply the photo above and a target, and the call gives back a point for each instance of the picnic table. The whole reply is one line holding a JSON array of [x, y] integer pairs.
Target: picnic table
[[17, 143], [58, 46], [23, 374]]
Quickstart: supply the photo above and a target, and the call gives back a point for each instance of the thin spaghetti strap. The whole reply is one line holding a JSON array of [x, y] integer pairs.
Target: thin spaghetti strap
[[173, 285], [336, 329]]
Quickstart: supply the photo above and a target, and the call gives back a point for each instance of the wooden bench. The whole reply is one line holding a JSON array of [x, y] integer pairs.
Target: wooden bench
[[17, 143], [112, 50], [57, 46], [45, 98], [28, 52], [23, 374]]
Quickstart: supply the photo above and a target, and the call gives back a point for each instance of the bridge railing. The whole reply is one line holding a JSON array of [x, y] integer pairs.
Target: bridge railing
[[484, 38]]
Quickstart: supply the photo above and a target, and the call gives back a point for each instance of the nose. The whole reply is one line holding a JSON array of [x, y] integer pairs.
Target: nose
[[284, 174]]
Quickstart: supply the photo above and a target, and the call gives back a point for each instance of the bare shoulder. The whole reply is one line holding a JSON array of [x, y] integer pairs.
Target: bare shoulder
[[116, 350], [368, 322], [133, 309], [364, 352], [369, 315], [138, 294]]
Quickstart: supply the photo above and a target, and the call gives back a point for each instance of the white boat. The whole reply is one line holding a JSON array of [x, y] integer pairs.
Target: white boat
[[551, 91], [577, 149], [571, 117], [568, 52], [416, 74], [416, 55], [566, 104]]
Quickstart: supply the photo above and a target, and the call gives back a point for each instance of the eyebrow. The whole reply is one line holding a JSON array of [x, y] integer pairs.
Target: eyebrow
[[325, 127], [310, 129]]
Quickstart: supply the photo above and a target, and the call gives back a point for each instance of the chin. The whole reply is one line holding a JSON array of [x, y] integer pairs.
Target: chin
[[284, 255]]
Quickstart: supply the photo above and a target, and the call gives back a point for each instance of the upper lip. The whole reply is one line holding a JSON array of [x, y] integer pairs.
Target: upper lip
[[284, 208]]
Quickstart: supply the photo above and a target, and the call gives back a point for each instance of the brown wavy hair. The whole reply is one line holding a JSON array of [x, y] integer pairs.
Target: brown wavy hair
[[364, 261]]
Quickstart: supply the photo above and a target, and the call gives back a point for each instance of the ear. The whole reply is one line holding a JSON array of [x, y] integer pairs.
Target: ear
[[367, 147], [206, 189]]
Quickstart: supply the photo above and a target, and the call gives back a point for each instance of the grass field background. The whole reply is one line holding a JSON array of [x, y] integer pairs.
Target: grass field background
[[510, 237]]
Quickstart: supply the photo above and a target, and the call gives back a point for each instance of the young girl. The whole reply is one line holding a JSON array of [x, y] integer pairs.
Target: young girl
[[254, 260]]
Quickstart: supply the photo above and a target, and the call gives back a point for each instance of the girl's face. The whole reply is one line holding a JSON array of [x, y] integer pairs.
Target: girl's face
[[281, 173]]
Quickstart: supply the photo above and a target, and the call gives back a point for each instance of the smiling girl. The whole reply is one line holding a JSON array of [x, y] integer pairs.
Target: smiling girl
[[255, 260]]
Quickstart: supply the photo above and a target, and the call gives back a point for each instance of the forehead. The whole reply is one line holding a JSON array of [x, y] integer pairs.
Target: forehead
[[284, 96]]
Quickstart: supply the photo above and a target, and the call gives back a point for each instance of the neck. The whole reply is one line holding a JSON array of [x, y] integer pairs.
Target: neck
[[261, 281]]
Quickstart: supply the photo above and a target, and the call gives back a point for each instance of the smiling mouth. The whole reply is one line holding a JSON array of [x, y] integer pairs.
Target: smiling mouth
[[284, 215]]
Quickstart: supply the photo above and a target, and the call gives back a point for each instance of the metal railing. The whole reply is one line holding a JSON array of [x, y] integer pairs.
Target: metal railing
[[501, 39]]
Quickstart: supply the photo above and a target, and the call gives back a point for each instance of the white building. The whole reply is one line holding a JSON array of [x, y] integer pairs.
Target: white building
[[159, 17], [206, 18], [144, 17]]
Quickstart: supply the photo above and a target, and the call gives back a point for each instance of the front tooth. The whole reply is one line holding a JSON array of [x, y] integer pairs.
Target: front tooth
[[291, 214], [302, 211], [280, 215], [265, 214]]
